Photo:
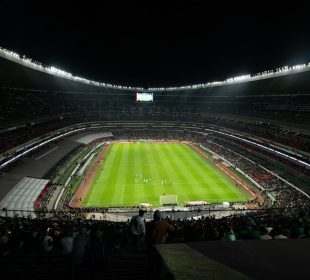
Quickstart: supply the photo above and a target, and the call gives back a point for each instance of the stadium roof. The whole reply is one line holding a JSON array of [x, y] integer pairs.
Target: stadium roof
[[158, 45], [28, 62], [20, 77]]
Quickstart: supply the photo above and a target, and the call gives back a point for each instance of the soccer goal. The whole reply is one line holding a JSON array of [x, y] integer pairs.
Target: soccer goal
[[165, 200]]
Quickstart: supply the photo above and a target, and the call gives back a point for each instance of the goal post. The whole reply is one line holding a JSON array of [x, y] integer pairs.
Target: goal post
[[165, 200]]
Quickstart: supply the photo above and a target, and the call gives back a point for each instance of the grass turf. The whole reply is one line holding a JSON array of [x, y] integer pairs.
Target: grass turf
[[171, 169]]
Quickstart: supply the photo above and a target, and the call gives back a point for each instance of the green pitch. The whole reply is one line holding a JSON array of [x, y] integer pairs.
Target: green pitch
[[134, 173]]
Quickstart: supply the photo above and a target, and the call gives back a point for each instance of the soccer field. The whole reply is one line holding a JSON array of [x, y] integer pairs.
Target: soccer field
[[134, 173]]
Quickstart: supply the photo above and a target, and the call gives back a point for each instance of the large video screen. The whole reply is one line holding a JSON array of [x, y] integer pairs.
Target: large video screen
[[144, 96]]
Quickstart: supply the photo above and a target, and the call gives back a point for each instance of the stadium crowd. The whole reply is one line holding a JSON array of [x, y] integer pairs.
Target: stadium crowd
[[163, 135], [81, 238], [265, 130], [285, 195], [54, 110], [240, 145]]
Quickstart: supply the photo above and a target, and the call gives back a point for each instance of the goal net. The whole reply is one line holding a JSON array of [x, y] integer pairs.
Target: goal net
[[168, 200]]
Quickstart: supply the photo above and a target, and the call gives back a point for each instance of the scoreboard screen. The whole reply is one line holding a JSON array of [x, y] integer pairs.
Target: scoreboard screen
[[144, 96]]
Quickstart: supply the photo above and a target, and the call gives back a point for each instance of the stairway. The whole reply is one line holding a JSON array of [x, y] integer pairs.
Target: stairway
[[128, 264]]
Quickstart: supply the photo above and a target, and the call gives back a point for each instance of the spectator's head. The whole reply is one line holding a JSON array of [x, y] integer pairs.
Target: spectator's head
[[141, 213], [157, 215], [263, 230]]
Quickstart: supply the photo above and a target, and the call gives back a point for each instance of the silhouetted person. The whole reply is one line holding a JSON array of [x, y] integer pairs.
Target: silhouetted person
[[137, 229], [159, 229]]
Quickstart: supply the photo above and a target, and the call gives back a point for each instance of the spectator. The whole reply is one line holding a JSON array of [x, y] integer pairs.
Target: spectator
[[137, 230], [47, 242], [67, 243], [279, 234], [264, 234], [80, 248], [159, 229], [229, 234]]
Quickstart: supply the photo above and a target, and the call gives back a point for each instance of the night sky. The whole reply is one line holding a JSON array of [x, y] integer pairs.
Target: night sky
[[158, 44]]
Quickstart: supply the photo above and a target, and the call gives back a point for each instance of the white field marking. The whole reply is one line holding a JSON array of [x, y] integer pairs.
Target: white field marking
[[237, 180], [47, 153], [93, 191]]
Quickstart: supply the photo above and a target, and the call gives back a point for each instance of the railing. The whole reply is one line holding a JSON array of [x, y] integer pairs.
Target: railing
[[124, 214]]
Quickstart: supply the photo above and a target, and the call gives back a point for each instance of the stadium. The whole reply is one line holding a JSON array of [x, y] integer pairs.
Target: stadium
[[221, 161], [108, 159]]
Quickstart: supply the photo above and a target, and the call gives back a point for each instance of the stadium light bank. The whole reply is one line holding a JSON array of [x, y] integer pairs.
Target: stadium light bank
[[23, 60]]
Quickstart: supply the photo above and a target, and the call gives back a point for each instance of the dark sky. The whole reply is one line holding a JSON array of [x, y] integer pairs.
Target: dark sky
[[158, 44]]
